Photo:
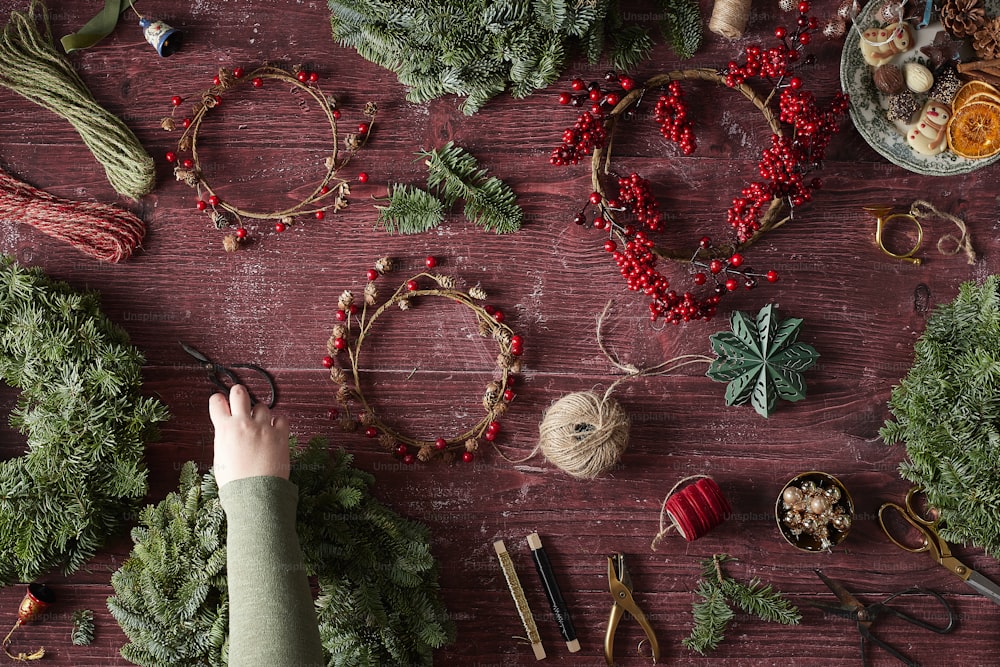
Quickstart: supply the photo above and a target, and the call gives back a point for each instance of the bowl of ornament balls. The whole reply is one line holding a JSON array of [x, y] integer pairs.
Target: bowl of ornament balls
[[814, 511], [926, 98]]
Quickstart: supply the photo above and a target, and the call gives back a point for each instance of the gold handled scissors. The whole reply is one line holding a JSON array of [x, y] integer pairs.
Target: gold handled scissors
[[621, 593], [939, 550]]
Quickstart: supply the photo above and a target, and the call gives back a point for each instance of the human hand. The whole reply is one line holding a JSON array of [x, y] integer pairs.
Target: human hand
[[249, 442]]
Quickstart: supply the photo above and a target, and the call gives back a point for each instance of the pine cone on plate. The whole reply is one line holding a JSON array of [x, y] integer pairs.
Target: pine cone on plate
[[962, 18], [986, 40]]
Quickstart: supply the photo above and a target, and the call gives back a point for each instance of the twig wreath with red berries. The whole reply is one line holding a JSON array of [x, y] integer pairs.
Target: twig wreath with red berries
[[330, 193], [762, 206], [348, 337]]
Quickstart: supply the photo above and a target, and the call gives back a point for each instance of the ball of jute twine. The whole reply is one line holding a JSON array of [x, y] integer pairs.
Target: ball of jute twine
[[729, 18], [584, 434]]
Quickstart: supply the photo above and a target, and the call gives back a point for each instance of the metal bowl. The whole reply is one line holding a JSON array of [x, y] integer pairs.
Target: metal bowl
[[837, 500]]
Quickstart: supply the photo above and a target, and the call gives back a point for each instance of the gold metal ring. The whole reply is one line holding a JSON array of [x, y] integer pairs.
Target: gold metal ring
[[883, 216]]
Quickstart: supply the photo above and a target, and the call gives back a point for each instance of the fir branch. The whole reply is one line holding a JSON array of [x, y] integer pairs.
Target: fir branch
[[83, 627], [713, 614], [410, 211], [681, 26]]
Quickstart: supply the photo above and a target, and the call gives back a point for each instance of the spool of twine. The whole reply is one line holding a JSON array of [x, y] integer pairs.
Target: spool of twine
[[30, 66], [694, 510], [729, 18], [584, 434], [103, 231]]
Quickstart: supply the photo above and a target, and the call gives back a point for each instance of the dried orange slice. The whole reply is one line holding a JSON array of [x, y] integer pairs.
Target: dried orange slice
[[984, 97], [974, 130], [965, 93]]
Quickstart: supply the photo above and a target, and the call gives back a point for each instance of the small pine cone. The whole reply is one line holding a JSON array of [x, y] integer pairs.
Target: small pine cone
[[370, 109], [404, 304], [492, 395], [230, 243], [387, 441], [210, 100], [366, 419], [499, 410], [505, 360], [344, 394], [188, 177], [516, 366], [345, 300], [220, 219], [332, 101], [168, 123], [384, 265], [471, 445], [371, 294], [834, 28], [226, 79], [787, 5], [478, 293], [344, 189], [502, 336], [485, 327], [287, 220], [331, 162], [352, 142], [986, 40], [425, 454], [339, 331], [447, 282], [962, 18], [337, 375], [348, 425], [331, 349]]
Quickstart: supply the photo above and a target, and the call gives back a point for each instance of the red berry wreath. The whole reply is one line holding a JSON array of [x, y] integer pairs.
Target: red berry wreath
[[797, 148]]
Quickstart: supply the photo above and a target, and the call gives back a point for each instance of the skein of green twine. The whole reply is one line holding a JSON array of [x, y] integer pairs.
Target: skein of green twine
[[31, 67]]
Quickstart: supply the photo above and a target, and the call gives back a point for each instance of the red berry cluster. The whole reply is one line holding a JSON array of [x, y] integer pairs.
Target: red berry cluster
[[775, 63], [636, 192], [588, 133], [672, 114]]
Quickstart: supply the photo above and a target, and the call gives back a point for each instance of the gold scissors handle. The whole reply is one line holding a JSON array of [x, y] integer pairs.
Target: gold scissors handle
[[938, 548], [621, 593]]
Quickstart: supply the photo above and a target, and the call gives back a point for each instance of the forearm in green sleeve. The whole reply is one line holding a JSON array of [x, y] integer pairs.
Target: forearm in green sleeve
[[272, 619]]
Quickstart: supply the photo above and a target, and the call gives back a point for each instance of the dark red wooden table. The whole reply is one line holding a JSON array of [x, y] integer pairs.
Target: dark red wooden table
[[273, 304]]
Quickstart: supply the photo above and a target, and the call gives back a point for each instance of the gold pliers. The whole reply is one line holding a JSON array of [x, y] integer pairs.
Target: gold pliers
[[621, 593]]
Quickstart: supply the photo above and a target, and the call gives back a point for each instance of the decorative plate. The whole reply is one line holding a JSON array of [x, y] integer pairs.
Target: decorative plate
[[868, 105]]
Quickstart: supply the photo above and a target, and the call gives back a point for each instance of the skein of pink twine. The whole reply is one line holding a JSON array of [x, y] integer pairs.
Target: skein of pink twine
[[106, 232], [694, 510]]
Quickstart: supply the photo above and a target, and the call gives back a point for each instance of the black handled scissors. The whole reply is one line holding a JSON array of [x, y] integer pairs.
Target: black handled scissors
[[932, 543], [224, 377], [866, 615]]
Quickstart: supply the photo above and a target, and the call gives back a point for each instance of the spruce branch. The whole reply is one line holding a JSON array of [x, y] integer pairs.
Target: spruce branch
[[410, 211], [713, 613], [83, 627], [681, 26]]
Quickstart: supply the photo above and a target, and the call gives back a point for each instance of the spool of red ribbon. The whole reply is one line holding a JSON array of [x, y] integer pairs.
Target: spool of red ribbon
[[694, 510]]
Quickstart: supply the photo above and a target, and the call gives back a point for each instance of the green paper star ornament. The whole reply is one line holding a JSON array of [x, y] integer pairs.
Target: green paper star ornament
[[761, 360]]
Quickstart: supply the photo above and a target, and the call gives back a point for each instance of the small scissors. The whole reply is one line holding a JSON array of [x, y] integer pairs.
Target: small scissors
[[225, 377], [932, 543], [621, 593], [866, 615]]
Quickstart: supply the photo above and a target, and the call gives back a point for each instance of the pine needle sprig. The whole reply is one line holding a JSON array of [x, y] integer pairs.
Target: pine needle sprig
[[411, 210], [681, 26], [712, 614], [83, 627]]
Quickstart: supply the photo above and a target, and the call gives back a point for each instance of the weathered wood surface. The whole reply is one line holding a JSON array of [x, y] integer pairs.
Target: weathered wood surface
[[273, 304]]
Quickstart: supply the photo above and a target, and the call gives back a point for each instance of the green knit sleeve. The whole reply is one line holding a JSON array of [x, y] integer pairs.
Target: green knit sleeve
[[272, 620]]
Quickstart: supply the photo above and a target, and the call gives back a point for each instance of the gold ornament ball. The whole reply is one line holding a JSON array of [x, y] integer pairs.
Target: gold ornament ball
[[818, 505], [791, 495]]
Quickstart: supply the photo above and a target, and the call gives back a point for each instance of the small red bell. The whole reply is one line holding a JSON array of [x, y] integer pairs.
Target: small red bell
[[34, 602]]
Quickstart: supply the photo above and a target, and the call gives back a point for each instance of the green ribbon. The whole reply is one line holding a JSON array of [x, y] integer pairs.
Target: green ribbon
[[98, 27]]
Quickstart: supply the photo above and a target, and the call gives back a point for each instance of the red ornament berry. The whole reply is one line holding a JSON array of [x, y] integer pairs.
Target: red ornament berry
[[736, 260], [468, 457], [213, 200], [700, 278], [412, 285], [430, 262], [363, 177], [490, 435], [577, 84], [332, 413], [732, 284], [613, 99], [715, 266], [565, 98], [372, 274], [595, 197], [313, 77], [803, 8], [201, 205], [170, 156], [493, 427], [328, 362], [371, 432], [508, 395], [516, 340], [336, 114], [340, 316], [705, 242], [302, 75], [363, 128], [440, 444], [238, 72], [780, 32], [216, 80], [409, 459], [353, 309], [402, 449], [257, 82], [498, 315], [186, 123], [627, 83], [320, 215], [280, 227], [177, 100], [339, 343], [610, 246], [772, 276], [241, 233], [188, 163]]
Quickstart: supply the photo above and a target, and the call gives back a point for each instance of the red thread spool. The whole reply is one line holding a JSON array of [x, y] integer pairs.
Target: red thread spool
[[698, 508], [694, 510]]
